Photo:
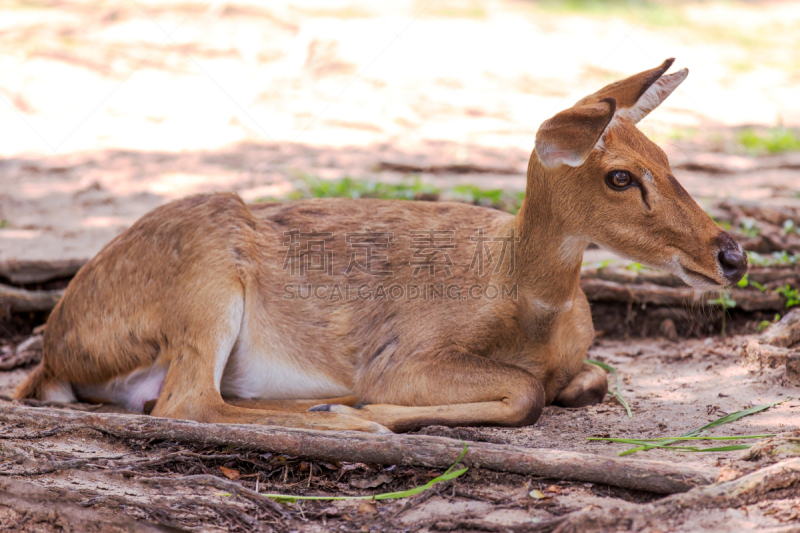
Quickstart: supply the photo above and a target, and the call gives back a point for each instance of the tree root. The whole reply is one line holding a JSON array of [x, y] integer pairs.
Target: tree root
[[410, 450], [17, 300], [741, 491], [222, 484], [598, 290], [63, 511]]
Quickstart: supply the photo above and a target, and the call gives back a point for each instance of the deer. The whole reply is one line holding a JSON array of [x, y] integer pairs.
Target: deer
[[383, 315]]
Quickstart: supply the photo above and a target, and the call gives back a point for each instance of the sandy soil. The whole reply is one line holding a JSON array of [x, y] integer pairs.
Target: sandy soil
[[113, 110]]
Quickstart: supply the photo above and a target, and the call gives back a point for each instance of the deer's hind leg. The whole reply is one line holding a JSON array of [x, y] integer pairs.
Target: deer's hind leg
[[297, 406], [197, 360], [449, 390]]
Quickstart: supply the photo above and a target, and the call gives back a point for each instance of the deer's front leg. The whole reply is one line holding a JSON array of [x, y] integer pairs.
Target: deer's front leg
[[588, 384], [588, 387], [448, 390]]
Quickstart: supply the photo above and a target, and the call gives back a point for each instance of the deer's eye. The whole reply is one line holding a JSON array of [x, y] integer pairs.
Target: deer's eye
[[619, 179]]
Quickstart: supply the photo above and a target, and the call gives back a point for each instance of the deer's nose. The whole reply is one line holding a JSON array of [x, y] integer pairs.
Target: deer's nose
[[733, 261]]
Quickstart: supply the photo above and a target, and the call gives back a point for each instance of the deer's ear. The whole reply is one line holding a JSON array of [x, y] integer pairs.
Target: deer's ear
[[641, 93], [568, 137]]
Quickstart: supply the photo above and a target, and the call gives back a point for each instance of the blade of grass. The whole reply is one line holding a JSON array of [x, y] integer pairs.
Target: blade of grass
[[615, 393], [638, 442], [727, 419], [449, 474], [692, 449], [693, 438]]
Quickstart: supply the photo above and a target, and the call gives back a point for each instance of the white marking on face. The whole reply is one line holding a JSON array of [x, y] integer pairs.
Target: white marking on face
[[691, 280], [648, 176]]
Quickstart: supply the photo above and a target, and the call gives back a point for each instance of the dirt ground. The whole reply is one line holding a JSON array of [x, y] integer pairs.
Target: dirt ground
[[672, 387], [116, 108]]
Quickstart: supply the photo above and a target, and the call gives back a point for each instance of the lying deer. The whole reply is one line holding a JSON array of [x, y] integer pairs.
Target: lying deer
[[212, 310]]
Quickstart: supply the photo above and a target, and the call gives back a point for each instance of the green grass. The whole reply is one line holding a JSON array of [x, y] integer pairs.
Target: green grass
[[723, 224], [449, 474], [746, 281], [749, 228], [351, 188], [652, 443], [774, 259], [409, 189], [770, 141], [617, 393], [791, 295], [667, 442], [764, 324], [647, 12], [725, 301]]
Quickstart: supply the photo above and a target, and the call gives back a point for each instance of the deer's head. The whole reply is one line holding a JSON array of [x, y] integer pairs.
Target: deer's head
[[609, 184]]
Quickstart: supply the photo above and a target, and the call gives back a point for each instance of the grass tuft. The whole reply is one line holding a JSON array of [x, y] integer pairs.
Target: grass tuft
[[668, 442], [413, 189], [781, 258], [769, 141]]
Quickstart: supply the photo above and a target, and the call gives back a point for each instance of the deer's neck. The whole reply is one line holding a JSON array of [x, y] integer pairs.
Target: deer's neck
[[549, 255]]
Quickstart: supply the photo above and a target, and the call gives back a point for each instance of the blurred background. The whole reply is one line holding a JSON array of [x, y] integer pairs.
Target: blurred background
[[111, 108]]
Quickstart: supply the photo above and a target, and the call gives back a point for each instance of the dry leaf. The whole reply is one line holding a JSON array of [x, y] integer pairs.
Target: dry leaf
[[230, 473], [537, 495], [367, 508], [370, 482], [554, 488], [727, 473]]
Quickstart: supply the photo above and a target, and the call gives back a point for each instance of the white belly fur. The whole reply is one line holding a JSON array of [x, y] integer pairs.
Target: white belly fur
[[131, 390], [252, 372], [248, 373]]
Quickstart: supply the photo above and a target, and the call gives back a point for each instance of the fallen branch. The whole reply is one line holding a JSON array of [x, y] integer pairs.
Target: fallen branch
[[411, 450], [609, 291], [780, 446], [25, 301], [785, 332], [19, 359], [28, 351], [40, 271], [741, 491]]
